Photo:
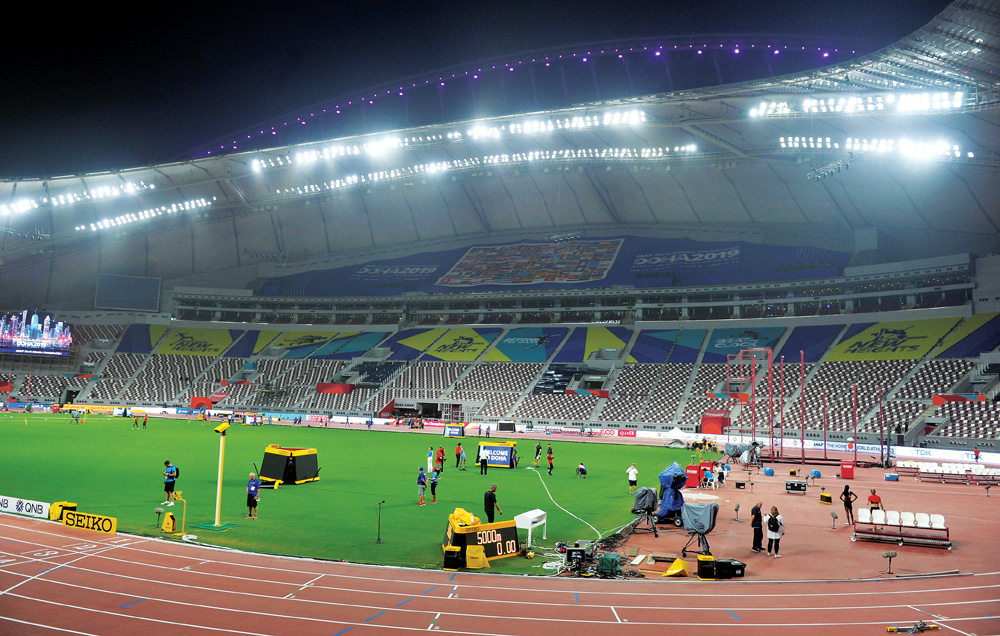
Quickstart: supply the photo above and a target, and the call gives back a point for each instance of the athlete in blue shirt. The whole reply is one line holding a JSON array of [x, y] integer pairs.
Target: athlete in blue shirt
[[253, 496], [169, 477]]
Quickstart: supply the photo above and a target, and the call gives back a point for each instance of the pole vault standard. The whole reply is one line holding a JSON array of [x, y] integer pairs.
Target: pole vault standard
[[881, 436], [854, 392], [824, 424], [802, 430], [781, 409], [750, 399]]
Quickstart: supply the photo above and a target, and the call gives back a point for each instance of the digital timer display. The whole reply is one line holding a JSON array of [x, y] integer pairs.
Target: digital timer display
[[498, 540]]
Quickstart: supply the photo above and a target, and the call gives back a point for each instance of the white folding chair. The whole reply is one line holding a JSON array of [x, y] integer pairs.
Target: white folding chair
[[892, 518], [937, 522], [923, 520], [864, 515], [907, 520], [878, 517]]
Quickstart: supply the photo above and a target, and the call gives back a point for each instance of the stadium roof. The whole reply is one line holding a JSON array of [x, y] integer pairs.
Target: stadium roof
[[899, 146]]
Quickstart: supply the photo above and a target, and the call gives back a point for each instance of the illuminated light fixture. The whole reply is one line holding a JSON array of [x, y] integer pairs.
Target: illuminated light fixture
[[856, 104]]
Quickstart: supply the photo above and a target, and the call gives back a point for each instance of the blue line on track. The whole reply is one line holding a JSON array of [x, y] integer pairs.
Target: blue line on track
[[734, 615], [404, 602], [343, 631], [374, 617], [430, 590], [576, 595], [130, 604], [453, 576]]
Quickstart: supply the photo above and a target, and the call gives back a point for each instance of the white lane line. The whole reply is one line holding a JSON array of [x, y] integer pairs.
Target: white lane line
[[46, 627], [954, 629], [473, 617], [150, 542]]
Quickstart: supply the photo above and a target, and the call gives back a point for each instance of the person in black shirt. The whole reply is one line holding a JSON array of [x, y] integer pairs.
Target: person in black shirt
[[490, 503], [757, 523], [848, 498]]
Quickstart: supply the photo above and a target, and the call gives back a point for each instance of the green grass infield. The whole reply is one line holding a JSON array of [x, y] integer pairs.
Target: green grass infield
[[109, 469]]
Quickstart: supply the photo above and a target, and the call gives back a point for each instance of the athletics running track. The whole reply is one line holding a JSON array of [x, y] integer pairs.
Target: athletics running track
[[58, 580]]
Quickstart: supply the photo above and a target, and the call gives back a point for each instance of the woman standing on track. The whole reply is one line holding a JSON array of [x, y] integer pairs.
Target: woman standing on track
[[848, 498], [775, 529]]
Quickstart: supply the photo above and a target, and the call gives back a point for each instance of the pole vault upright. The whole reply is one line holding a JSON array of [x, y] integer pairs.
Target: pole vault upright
[[747, 372], [802, 429]]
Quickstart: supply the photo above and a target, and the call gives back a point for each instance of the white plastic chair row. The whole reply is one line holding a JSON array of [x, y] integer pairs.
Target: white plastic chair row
[[904, 519]]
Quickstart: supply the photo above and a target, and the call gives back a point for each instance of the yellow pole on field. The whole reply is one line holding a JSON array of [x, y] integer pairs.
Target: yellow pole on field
[[221, 430]]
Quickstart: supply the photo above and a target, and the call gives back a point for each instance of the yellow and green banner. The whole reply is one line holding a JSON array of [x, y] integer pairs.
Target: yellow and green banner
[[195, 341], [463, 344], [900, 340], [967, 328]]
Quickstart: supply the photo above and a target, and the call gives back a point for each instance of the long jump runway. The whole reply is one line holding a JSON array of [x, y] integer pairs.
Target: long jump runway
[[58, 580]]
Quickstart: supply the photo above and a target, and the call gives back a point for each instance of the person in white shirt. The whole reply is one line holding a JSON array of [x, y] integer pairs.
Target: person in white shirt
[[775, 530], [633, 477]]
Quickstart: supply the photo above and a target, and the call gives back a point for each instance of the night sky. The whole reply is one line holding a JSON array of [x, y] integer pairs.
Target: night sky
[[101, 88]]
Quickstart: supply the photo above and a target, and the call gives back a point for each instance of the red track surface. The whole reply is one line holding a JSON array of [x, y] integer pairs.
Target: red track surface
[[55, 579]]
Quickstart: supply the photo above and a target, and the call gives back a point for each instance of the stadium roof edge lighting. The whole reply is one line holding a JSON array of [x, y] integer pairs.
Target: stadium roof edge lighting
[[941, 71]]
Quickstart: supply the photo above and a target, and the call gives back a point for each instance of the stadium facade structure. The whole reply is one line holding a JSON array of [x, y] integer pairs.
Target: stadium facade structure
[[891, 157]]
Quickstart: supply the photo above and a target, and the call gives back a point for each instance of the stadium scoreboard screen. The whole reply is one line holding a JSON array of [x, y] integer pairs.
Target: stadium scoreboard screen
[[34, 335], [498, 540]]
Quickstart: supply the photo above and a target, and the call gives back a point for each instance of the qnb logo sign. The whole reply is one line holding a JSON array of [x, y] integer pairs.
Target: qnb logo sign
[[97, 523], [24, 507]]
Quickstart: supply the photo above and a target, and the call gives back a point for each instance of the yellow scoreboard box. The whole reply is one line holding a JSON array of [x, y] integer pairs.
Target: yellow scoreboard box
[[466, 541]]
